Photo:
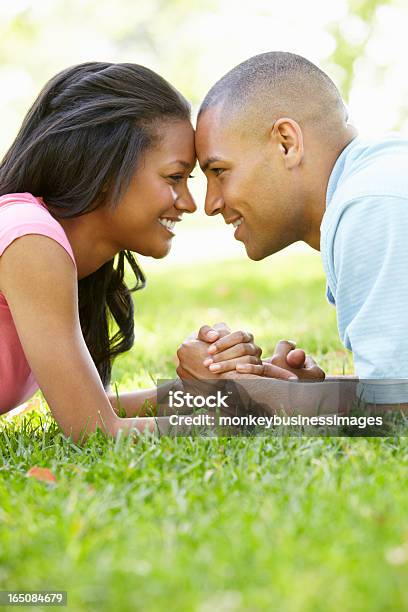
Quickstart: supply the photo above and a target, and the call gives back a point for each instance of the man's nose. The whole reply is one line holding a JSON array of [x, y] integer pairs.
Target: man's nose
[[214, 202]]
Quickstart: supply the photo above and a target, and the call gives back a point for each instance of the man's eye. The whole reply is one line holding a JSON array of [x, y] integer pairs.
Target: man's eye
[[217, 171]]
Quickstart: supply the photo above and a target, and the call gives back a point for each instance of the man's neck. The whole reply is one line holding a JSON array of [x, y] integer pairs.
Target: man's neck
[[316, 202]]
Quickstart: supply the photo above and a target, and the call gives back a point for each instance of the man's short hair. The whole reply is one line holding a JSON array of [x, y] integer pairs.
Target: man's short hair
[[278, 83]]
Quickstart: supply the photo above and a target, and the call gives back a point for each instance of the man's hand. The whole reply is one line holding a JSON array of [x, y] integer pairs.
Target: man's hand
[[286, 357], [226, 350]]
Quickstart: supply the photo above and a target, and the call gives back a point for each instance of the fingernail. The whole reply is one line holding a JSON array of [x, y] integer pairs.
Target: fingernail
[[212, 349], [293, 378], [214, 367], [212, 335], [207, 361]]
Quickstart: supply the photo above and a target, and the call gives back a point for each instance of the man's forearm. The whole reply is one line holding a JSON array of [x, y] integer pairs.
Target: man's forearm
[[335, 395], [351, 377]]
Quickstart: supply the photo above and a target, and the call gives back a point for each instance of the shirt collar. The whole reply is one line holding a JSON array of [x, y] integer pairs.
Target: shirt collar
[[338, 170]]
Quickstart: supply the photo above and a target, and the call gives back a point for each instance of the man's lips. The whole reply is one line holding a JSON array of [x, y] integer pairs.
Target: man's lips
[[235, 221]]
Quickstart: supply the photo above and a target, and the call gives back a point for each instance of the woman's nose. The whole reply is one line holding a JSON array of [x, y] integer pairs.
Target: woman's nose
[[185, 202]]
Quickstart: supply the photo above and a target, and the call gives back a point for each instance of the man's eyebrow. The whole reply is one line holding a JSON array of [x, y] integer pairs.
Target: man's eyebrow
[[208, 161]]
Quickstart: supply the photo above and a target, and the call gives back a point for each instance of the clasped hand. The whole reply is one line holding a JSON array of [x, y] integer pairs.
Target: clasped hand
[[217, 352]]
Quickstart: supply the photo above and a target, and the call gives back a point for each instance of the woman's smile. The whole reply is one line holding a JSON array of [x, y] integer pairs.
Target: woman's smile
[[169, 223]]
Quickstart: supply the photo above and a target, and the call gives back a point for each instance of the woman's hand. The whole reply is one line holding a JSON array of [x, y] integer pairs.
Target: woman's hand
[[216, 350], [286, 357]]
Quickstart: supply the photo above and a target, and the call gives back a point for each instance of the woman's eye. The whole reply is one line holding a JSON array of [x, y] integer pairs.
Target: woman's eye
[[179, 177], [176, 177]]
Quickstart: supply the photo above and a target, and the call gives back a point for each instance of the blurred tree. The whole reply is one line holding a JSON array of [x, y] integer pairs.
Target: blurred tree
[[43, 37], [351, 36], [189, 43]]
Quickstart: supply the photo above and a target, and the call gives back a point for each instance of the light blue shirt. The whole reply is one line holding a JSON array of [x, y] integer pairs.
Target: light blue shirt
[[364, 248]]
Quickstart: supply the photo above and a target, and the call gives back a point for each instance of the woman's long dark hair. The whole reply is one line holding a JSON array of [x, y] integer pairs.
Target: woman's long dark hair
[[78, 148]]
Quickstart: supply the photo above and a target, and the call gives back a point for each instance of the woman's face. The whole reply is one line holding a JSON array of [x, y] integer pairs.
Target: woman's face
[[145, 219]]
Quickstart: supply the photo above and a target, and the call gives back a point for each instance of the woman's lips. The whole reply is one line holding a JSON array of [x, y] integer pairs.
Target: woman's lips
[[168, 224]]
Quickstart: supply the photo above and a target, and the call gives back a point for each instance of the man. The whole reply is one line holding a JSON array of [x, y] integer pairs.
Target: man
[[283, 164]]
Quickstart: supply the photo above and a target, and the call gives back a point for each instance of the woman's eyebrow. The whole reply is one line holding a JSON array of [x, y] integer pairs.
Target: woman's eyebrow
[[208, 161], [182, 162]]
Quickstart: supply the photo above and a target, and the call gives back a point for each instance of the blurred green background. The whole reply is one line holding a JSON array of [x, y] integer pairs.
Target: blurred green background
[[360, 43]]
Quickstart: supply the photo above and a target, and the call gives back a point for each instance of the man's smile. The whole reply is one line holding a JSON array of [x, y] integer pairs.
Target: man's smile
[[236, 223]]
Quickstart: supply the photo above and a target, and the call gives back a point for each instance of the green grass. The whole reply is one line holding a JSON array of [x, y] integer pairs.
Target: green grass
[[273, 523]]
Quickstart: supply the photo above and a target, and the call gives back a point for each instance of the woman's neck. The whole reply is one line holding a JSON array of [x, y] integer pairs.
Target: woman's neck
[[89, 243]]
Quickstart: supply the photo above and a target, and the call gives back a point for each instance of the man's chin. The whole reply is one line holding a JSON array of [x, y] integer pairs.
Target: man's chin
[[254, 254]]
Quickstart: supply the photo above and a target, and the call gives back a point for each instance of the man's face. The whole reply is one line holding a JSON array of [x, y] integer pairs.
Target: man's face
[[248, 183]]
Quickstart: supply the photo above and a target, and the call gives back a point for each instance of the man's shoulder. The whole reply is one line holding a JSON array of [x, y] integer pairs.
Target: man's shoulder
[[374, 168], [370, 183], [368, 207]]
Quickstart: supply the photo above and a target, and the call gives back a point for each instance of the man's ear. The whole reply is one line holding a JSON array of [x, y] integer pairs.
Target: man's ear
[[288, 135]]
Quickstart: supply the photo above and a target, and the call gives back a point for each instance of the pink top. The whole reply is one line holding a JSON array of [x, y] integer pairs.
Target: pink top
[[20, 214]]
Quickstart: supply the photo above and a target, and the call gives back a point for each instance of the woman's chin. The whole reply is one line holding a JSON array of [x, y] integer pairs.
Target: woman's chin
[[161, 251], [156, 248]]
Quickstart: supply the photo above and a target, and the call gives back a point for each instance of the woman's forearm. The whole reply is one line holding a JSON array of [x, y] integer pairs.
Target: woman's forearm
[[140, 403], [155, 425], [144, 402]]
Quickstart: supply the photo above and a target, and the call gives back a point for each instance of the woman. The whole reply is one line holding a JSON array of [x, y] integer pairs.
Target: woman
[[98, 170]]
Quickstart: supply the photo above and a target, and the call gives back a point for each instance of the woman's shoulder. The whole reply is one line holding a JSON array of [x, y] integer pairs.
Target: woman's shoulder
[[24, 213], [21, 206], [20, 198]]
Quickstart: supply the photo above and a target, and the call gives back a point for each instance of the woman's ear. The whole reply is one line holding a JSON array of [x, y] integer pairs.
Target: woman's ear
[[288, 135]]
